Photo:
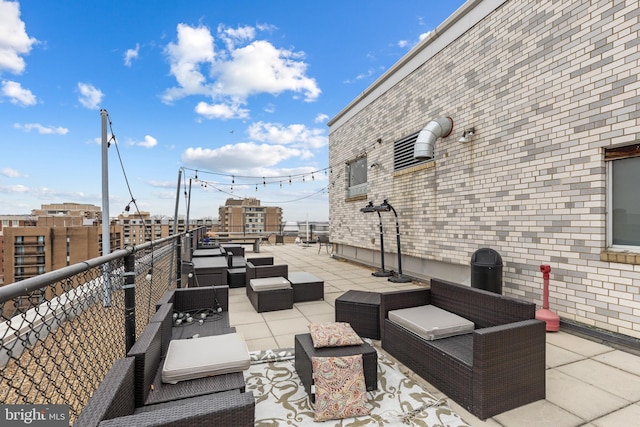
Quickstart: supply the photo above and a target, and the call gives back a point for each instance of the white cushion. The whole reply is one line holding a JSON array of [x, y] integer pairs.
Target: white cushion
[[431, 322], [269, 284], [188, 359]]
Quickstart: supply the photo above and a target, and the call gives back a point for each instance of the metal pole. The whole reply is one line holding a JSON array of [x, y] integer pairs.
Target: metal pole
[[106, 226], [130, 300], [382, 272], [175, 228], [175, 215], [399, 278], [188, 204], [179, 263]]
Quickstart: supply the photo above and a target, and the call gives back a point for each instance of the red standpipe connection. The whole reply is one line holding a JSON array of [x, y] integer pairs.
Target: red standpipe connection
[[552, 320]]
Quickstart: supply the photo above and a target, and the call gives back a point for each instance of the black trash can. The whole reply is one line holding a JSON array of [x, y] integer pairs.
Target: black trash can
[[486, 270]]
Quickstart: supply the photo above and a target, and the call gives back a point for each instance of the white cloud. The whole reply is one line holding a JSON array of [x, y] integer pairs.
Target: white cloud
[[321, 118], [11, 173], [262, 68], [148, 142], [297, 135], [232, 36], [162, 184], [424, 35], [131, 54], [90, 96], [14, 189], [244, 67], [14, 40], [221, 111], [44, 130], [194, 47], [403, 43], [17, 94], [242, 156]]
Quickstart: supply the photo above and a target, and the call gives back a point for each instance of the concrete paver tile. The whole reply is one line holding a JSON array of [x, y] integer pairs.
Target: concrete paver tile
[[581, 399], [624, 417], [605, 377]]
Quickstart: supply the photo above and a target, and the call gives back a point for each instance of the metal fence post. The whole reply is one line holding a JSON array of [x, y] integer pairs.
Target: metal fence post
[[179, 264], [130, 300]]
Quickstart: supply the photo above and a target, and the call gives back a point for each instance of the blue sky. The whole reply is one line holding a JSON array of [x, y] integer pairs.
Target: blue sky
[[238, 91]]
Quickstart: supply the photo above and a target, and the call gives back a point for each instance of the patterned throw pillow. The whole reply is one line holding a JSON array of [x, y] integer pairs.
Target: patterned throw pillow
[[339, 387], [333, 334]]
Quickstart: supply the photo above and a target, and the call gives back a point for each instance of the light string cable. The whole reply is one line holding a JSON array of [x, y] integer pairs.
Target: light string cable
[[135, 204], [217, 186]]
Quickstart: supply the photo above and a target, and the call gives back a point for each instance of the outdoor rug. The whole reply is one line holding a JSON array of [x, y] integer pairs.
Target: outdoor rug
[[282, 401]]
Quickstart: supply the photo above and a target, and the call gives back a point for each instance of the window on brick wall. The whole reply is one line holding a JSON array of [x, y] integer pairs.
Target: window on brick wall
[[357, 176], [623, 197]]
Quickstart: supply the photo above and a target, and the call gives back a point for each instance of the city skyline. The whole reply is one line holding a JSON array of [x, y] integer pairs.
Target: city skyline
[[236, 96]]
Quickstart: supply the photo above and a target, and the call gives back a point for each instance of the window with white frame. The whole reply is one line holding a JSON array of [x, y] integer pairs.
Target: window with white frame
[[623, 197], [357, 175]]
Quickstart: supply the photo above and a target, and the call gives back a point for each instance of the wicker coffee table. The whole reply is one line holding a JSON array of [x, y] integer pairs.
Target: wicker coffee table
[[304, 351]]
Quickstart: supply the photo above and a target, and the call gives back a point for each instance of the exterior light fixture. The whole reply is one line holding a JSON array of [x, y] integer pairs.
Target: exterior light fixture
[[467, 135]]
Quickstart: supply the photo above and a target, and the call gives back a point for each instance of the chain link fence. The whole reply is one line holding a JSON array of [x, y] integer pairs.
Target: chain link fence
[[60, 332]]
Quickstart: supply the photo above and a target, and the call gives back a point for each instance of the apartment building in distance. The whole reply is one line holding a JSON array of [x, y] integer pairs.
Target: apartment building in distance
[[248, 216], [61, 234]]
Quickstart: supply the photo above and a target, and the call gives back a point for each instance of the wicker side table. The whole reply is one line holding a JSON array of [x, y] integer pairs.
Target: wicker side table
[[361, 309], [304, 352]]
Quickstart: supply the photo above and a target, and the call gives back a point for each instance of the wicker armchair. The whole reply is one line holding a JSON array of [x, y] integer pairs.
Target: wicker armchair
[[500, 366], [259, 268]]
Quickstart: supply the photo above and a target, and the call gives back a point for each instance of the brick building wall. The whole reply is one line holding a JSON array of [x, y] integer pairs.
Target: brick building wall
[[547, 86]]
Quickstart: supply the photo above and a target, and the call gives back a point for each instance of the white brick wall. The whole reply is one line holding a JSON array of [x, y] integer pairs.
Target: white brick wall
[[546, 85]]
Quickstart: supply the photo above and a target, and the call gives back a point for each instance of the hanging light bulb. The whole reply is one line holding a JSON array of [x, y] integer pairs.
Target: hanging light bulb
[[149, 275], [233, 179], [289, 179], [256, 187], [302, 178], [313, 178], [264, 182], [280, 184]]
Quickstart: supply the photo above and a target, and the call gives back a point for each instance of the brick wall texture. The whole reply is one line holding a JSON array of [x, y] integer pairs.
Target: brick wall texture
[[547, 85]]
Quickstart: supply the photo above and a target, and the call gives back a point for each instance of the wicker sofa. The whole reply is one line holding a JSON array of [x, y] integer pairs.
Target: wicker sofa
[[500, 366], [113, 405], [133, 393]]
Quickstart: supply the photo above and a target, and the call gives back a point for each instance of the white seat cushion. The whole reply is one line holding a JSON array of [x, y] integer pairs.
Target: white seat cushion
[[431, 322], [269, 284], [202, 357]]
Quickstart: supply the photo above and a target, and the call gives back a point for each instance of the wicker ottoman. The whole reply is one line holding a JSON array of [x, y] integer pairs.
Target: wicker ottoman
[[306, 286], [236, 277], [304, 351], [270, 294], [362, 310]]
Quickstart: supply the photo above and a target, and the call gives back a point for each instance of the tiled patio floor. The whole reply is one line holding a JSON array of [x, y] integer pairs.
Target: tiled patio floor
[[588, 384]]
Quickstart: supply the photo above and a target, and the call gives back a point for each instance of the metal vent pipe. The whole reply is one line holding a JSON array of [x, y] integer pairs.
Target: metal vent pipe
[[438, 128]]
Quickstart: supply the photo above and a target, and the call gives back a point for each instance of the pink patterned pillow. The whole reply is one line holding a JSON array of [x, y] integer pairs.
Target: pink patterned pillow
[[333, 334], [339, 387]]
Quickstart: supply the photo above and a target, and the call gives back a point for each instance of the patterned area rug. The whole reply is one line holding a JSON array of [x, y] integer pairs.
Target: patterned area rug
[[282, 401]]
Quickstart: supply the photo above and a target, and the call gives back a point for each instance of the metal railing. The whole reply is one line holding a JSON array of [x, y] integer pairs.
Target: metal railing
[[60, 332]]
